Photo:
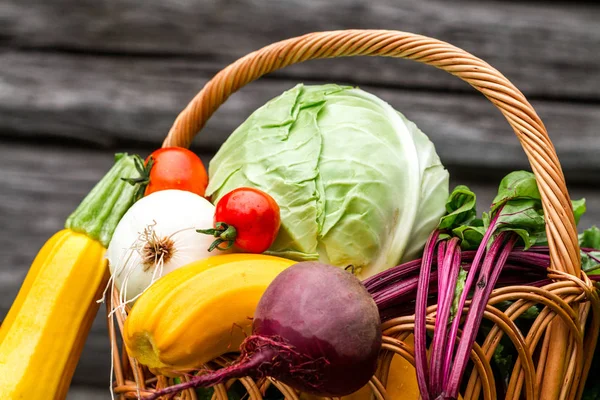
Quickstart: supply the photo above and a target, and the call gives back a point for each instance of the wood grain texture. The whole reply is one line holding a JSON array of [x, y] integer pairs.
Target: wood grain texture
[[111, 102], [45, 183], [546, 49]]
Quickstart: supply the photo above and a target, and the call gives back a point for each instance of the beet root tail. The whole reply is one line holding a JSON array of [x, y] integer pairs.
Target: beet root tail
[[255, 365]]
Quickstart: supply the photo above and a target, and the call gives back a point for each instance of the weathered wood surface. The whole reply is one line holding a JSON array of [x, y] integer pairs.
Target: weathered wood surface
[[546, 48], [104, 101], [81, 80]]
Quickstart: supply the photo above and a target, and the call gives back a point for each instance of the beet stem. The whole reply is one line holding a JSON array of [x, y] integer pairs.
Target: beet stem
[[420, 316], [391, 275], [440, 266], [404, 290], [391, 295], [532, 259], [490, 272], [463, 297], [449, 267], [257, 363]]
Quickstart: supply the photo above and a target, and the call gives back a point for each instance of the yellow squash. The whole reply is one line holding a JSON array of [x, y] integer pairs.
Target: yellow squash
[[44, 332], [402, 378], [200, 311]]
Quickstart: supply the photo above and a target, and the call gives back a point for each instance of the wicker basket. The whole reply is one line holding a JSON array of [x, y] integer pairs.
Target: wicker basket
[[555, 355]]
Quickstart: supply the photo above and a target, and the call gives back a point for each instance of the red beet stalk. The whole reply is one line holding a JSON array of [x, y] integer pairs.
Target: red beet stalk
[[490, 272], [448, 268], [420, 334]]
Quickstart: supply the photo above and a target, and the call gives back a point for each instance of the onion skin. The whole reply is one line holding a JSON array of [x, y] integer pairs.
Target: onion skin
[[167, 216]]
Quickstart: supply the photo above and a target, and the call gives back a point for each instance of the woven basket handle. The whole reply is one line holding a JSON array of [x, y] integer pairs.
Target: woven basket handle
[[560, 224]]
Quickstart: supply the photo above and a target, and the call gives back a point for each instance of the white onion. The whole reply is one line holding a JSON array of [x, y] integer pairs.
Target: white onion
[[156, 236]]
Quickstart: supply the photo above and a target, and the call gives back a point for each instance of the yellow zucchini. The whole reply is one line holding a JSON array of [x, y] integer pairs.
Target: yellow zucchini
[[42, 336], [200, 311]]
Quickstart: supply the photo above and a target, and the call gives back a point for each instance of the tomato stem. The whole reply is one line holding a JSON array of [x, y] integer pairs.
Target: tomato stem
[[143, 179], [224, 233]]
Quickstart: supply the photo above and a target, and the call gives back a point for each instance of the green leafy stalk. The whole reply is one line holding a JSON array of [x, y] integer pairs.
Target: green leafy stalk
[[519, 205], [460, 208], [579, 208], [461, 218], [516, 185], [524, 217], [101, 210], [460, 286], [589, 242], [590, 238], [470, 235]]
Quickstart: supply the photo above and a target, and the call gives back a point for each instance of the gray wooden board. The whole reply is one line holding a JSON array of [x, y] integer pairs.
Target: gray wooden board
[[547, 49], [44, 183], [111, 101]]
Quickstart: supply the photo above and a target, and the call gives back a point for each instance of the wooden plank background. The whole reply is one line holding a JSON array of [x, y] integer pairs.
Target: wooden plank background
[[81, 80]]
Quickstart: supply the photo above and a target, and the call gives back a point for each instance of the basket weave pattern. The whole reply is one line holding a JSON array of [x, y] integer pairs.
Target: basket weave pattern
[[555, 355]]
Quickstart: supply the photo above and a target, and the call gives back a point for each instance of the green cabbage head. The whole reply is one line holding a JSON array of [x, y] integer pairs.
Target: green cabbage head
[[357, 183]]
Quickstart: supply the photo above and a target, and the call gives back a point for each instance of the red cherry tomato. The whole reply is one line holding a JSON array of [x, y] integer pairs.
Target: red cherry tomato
[[248, 218], [176, 168]]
